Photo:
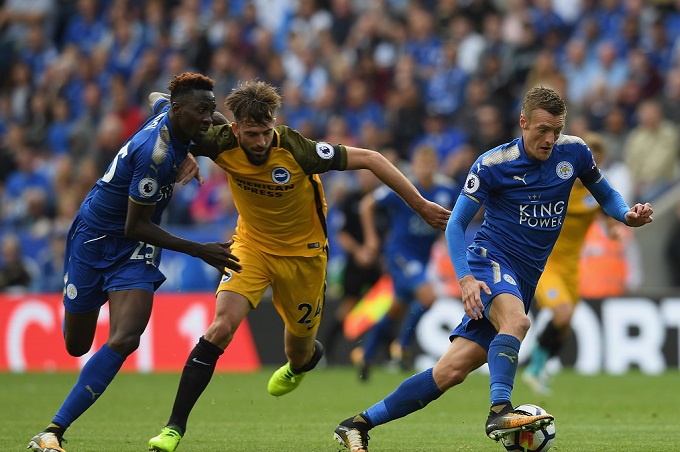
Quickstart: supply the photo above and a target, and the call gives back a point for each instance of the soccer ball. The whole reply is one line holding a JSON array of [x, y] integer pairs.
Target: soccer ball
[[526, 441]]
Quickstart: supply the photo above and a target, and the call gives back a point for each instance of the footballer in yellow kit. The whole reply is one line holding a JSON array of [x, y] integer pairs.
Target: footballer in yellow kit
[[281, 234], [559, 281], [557, 289]]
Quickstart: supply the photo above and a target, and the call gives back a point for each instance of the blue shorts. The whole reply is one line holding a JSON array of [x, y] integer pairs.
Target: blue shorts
[[95, 264], [501, 278], [408, 274]]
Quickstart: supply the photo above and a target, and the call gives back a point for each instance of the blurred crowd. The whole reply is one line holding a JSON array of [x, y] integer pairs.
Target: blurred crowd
[[390, 75]]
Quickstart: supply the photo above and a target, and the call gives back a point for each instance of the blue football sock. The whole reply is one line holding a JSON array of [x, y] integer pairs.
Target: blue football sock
[[375, 336], [96, 375], [415, 312], [412, 394], [503, 360]]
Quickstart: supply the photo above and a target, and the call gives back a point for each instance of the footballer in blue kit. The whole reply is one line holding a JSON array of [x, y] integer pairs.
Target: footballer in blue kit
[[524, 186], [113, 247], [407, 249]]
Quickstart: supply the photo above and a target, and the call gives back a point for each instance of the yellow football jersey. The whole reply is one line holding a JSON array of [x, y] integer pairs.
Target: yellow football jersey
[[581, 212], [281, 204], [559, 281]]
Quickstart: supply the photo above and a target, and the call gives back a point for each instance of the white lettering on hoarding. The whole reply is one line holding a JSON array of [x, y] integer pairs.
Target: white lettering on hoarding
[[30, 313]]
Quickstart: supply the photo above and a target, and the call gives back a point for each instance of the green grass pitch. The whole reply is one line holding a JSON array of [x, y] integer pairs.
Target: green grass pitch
[[633, 412]]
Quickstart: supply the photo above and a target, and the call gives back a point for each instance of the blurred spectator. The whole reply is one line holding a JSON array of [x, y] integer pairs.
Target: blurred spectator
[[86, 29], [469, 42], [343, 18], [544, 72], [490, 129], [421, 42], [670, 99], [524, 55], [579, 72], [309, 21], [651, 152], [38, 52], [20, 95], [108, 141], [659, 47], [83, 132], [440, 135], [59, 130], [16, 17], [28, 188], [126, 48], [360, 108], [14, 274], [643, 73], [296, 112], [615, 129], [405, 110], [544, 19], [130, 115], [446, 88], [39, 119]]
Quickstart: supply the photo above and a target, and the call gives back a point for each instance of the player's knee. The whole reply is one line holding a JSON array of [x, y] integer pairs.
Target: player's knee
[[124, 345], [448, 376], [78, 343], [77, 349], [220, 333], [522, 325]]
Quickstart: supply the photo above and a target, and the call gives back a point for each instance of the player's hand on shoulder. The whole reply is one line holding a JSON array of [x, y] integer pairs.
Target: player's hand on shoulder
[[219, 255], [639, 215], [435, 215]]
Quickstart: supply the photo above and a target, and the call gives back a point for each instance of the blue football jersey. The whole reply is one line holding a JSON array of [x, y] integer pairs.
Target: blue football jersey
[[525, 200], [144, 170], [409, 234]]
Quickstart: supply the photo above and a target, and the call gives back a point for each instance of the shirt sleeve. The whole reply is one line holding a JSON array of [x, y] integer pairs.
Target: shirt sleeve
[[464, 211], [611, 200]]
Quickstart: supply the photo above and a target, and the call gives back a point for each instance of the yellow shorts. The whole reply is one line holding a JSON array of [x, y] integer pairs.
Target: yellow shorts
[[556, 288], [298, 285]]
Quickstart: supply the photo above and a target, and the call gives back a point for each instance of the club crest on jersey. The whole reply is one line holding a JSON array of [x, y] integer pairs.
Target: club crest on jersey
[[280, 175], [71, 292], [148, 187], [472, 183], [227, 276], [325, 150], [509, 279], [564, 170]]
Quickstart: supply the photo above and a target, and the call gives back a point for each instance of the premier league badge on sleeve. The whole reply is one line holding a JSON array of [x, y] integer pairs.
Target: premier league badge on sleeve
[[471, 183], [325, 150]]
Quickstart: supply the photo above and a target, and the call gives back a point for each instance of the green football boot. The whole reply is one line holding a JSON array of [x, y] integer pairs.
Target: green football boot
[[167, 441], [285, 379]]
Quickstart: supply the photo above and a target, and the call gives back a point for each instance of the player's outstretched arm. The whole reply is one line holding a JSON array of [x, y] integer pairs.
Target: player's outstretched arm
[[138, 226], [434, 214], [639, 215]]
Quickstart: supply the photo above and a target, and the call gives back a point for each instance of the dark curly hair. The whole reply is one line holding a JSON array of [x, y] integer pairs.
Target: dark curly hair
[[254, 101], [187, 82]]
